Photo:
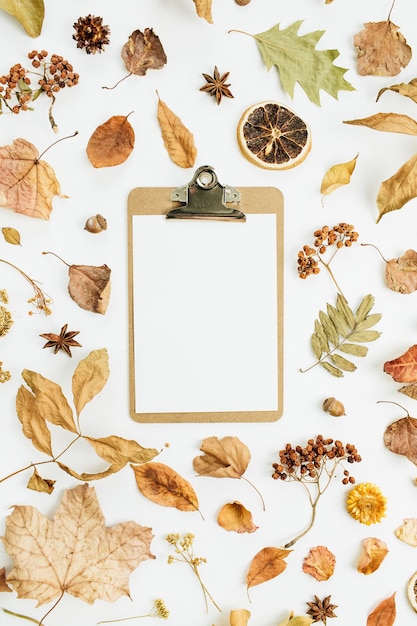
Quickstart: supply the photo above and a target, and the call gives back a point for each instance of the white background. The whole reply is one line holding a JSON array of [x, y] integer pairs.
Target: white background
[[193, 46]]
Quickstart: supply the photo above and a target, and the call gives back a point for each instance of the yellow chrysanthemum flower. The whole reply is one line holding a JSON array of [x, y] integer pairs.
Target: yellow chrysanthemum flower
[[366, 503]]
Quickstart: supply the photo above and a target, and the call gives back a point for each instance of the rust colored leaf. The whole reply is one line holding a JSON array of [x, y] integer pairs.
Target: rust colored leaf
[[111, 143], [396, 191], [408, 90], [203, 8], [401, 273], [373, 553], [102, 558], [89, 378], [234, 516], [50, 401], [178, 140], [3, 584], [223, 458], [37, 483], [381, 49], [403, 369], [319, 563], [143, 52], [33, 423], [266, 564], [384, 614], [89, 286], [407, 532], [401, 438], [337, 176], [27, 184], [164, 486], [388, 123], [11, 235]]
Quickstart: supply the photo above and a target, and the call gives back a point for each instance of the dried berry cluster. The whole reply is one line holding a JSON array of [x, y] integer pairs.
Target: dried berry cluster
[[342, 234], [307, 462]]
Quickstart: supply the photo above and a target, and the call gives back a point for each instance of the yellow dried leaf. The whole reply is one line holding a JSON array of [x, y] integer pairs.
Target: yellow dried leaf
[[239, 617], [407, 532], [50, 400], [399, 189], [337, 176], [319, 563], [265, 565], [373, 553], [163, 485], [404, 89], [89, 378], [37, 483], [30, 13], [111, 143], [33, 423], [234, 516], [178, 140], [388, 122], [11, 235], [296, 620], [203, 8]]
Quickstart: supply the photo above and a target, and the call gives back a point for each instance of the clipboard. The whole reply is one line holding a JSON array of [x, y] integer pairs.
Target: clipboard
[[205, 288]]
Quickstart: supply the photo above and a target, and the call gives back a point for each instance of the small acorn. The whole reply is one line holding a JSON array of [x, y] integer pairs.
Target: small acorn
[[333, 407], [95, 224], [242, 3]]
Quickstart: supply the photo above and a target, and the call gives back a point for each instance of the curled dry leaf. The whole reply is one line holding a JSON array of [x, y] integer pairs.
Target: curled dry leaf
[[408, 90], [401, 273], [400, 437], [337, 176], [234, 516], [5, 587], [319, 563], [387, 122], [203, 8], [30, 13], [384, 614], [27, 184], [265, 565], [239, 617], [403, 369], [102, 558], [178, 140], [37, 483], [143, 52], [407, 532], [11, 235], [111, 143], [163, 485], [373, 553], [381, 49]]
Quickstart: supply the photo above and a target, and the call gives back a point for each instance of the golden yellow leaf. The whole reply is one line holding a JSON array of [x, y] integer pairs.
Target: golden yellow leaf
[[33, 423], [265, 565], [337, 176], [234, 516], [11, 235], [239, 617], [373, 553], [37, 483], [388, 122], [382, 50], [119, 451], [296, 620], [404, 89], [203, 8], [30, 13], [396, 191], [178, 140], [111, 143], [89, 378], [164, 486], [50, 401], [101, 558], [407, 532], [319, 563]]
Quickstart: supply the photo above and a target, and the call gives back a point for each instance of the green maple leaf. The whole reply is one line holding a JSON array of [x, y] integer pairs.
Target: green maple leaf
[[297, 60]]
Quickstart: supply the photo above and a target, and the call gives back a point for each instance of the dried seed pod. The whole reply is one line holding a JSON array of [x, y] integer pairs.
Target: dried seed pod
[[333, 407], [95, 224]]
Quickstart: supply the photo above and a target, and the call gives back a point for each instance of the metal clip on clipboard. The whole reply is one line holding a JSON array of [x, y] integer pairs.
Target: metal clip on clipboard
[[205, 198]]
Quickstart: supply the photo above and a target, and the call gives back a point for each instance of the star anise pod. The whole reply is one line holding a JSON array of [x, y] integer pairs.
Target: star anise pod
[[64, 341], [320, 610], [216, 85]]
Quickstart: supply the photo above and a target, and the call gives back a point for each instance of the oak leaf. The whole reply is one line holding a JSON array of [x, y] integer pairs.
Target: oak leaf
[[387, 122], [163, 485], [401, 273], [203, 8], [265, 565], [403, 369], [407, 532], [337, 176], [111, 143], [27, 184], [319, 563], [396, 191], [381, 49], [408, 90], [142, 52], [234, 516], [178, 140], [400, 437], [384, 614], [74, 552], [372, 555], [30, 14], [3, 585]]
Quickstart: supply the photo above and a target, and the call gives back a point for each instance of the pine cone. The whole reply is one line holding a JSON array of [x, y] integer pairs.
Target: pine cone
[[91, 34]]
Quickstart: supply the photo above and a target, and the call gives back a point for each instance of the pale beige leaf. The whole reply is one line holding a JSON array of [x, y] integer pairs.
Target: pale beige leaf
[[396, 191], [33, 424], [401, 273], [265, 565], [407, 532], [381, 49], [388, 122], [409, 390], [102, 558], [372, 555], [404, 89], [119, 451], [337, 176], [203, 8], [163, 485], [223, 458], [30, 13], [319, 563], [234, 516], [89, 286], [178, 140], [384, 614], [5, 587], [11, 235], [37, 483], [89, 378], [50, 400], [239, 617]]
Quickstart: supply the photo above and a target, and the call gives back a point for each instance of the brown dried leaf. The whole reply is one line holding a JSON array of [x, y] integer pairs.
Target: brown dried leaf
[[33, 423], [239, 617], [89, 286], [164, 486], [11, 235], [401, 273], [178, 140], [37, 483], [410, 391], [3, 584], [234, 516], [401, 438], [404, 89], [407, 532], [337, 176], [373, 553], [119, 451], [265, 565], [112, 142], [381, 49], [27, 185], [399, 189], [319, 563], [142, 52], [203, 8], [403, 369], [50, 401], [384, 614], [387, 122], [102, 558], [223, 458], [89, 378], [86, 476]]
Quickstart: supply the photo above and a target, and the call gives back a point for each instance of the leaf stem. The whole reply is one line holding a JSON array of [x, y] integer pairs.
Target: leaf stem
[[21, 616], [257, 491], [58, 257], [390, 11], [54, 144], [118, 82]]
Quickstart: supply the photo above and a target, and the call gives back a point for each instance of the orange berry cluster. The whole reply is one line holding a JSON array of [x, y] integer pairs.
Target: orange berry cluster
[[306, 462], [342, 234]]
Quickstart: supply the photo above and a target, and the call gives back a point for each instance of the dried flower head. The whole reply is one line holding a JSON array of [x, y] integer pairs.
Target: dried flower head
[[4, 374], [3, 296], [91, 34], [366, 503], [40, 300], [5, 321]]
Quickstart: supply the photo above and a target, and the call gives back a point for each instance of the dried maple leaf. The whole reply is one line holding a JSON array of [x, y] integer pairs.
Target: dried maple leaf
[[319, 563], [142, 52], [401, 273], [403, 369], [178, 140], [407, 532], [74, 552], [3, 585], [111, 143], [381, 49], [401, 438], [164, 486], [27, 184], [30, 13], [234, 516], [373, 553], [384, 614], [265, 565], [203, 8]]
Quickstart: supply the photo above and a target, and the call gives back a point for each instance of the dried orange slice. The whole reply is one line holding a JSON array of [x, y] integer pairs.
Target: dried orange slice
[[412, 591], [272, 136]]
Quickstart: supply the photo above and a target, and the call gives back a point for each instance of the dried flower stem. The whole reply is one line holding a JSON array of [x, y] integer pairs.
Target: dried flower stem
[[158, 610], [21, 616], [41, 300]]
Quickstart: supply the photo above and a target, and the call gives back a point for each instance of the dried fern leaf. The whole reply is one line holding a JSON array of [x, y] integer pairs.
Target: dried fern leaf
[[338, 320], [345, 310], [342, 363], [334, 371], [319, 331], [364, 308], [365, 336], [354, 349], [329, 328]]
